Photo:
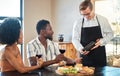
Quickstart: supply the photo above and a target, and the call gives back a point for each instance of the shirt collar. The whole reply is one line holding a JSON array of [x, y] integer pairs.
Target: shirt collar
[[38, 41], [94, 18]]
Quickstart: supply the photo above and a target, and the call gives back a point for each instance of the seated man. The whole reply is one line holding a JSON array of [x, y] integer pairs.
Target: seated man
[[44, 45]]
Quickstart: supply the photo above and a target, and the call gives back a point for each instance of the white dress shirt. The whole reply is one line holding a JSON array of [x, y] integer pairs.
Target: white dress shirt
[[106, 30]]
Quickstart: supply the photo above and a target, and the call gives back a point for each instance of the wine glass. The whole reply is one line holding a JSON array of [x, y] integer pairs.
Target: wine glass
[[62, 49]]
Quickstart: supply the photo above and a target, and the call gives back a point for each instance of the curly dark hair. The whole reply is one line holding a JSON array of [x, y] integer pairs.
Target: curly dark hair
[[9, 31], [41, 25]]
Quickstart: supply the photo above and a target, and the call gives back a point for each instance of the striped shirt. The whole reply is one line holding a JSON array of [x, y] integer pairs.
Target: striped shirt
[[35, 47]]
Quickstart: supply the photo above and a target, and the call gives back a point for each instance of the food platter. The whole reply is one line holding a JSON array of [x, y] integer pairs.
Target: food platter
[[65, 70], [77, 70], [59, 72], [70, 74]]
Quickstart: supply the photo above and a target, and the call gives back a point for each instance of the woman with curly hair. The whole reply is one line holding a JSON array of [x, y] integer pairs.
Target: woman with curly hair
[[11, 35]]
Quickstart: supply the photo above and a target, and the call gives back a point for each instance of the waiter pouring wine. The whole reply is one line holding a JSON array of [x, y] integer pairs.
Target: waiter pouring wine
[[93, 28]]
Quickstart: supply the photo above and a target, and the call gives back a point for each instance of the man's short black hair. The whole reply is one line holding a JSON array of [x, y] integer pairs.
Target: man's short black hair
[[10, 31], [41, 25]]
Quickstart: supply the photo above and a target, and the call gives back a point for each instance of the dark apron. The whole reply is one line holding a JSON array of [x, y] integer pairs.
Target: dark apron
[[96, 57]]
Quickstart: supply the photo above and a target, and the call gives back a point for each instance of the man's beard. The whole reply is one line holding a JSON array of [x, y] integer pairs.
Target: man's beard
[[50, 38]]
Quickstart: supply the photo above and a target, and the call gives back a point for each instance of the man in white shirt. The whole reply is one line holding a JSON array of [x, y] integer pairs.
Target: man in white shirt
[[43, 45], [91, 27]]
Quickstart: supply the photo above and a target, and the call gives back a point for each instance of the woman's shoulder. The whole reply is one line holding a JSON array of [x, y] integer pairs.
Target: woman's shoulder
[[11, 51]]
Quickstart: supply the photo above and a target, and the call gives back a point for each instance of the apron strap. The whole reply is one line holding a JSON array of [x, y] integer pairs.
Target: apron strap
[[96, 19]]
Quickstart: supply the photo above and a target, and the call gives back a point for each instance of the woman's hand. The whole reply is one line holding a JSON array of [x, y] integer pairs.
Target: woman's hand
[[78, 60]]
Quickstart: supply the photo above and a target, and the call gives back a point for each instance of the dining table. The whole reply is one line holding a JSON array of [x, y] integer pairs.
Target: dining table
[[50, 71]]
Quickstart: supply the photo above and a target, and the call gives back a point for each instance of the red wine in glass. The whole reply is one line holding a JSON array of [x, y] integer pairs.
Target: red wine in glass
[[62, 51], [39, 56]]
